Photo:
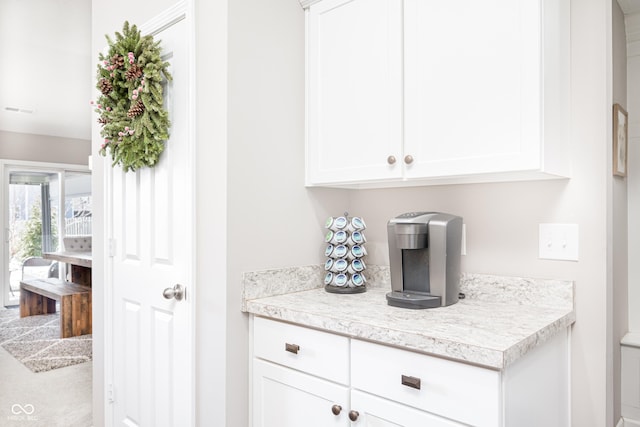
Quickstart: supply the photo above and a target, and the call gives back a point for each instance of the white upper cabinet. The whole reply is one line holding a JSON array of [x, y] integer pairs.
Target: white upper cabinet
[[415, 92], [354, 90]]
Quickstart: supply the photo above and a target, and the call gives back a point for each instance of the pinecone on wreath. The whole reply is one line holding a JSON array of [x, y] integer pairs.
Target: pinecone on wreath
[[103, 120], [105, 86], [135, 110], [133, 72], [117, 61]]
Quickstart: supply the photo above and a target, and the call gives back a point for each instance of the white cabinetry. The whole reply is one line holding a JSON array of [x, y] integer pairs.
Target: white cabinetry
[[354, 89], [408, 92], [283, 397], [373, 411], [299, 379]]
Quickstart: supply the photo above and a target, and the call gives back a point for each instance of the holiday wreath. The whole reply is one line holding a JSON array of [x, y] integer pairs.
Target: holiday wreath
[[135, 124]]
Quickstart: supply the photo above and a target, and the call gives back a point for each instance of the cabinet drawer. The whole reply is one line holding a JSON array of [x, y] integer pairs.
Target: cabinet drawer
[[454, 390], [315, 352]]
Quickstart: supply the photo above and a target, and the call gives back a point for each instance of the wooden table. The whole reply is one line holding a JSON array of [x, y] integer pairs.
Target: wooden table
[[80, 265]]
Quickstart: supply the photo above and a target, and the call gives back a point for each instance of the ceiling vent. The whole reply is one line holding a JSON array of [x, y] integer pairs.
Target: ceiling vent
[[19, 110]]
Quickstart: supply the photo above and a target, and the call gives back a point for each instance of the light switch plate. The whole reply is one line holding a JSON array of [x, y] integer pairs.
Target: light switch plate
[[559, 242]]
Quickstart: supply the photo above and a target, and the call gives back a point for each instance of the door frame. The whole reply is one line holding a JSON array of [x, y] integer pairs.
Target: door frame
[[6, 166], [103, 369]]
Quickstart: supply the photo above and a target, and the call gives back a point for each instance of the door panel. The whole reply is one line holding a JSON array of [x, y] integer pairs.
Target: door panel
[[151, 214]]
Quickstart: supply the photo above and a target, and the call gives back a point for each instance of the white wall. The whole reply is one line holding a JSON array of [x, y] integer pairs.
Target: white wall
[[273, 221], [212, 330], [619, 253], [43, 148], [633, 108]]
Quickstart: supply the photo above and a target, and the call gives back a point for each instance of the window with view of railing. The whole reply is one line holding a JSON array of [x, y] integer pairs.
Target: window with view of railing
[[79, 226]]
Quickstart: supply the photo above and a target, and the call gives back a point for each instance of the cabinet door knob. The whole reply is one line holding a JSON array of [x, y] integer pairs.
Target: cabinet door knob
[[408, 159], [292, 348], [391, 160], [412, 382], [336, 409], [353, 415]]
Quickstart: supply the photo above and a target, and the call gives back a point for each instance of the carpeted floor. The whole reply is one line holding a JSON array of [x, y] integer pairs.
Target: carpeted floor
[[35, 341]]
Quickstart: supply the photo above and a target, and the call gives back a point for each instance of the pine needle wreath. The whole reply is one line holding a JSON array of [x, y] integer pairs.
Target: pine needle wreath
[[135, 124]]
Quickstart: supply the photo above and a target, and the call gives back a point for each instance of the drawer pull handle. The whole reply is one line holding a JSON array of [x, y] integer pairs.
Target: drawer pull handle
[[336, 409], [292, 348], [353, 415], [412, 382]]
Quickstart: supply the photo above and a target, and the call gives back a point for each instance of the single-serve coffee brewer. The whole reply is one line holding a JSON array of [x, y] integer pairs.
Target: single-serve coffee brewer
[[424, 255]]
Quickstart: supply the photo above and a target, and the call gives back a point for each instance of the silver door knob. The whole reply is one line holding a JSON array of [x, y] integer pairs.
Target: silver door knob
[[391, 160], [408, 159], [177, 293]]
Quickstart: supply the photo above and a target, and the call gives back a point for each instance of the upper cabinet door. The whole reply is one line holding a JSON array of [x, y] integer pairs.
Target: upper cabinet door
[[473, 85], [354, 88], [418, 92]]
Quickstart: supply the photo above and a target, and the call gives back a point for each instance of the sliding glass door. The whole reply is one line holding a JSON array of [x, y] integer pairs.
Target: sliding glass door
[[42, 207]]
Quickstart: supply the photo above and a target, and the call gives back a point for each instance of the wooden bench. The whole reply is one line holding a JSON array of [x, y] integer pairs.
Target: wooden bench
[[39, 296]]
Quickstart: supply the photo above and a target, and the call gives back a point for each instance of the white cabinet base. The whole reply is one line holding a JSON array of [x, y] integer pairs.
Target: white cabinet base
[[381, 389]]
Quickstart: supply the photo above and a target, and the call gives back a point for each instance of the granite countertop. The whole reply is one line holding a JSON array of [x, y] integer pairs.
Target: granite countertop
[[500, 320]]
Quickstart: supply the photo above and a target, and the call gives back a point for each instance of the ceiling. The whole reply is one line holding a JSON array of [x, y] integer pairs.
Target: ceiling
[[46, 68]]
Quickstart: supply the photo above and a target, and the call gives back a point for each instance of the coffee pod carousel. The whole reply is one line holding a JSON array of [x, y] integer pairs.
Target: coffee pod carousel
[[345, 252]]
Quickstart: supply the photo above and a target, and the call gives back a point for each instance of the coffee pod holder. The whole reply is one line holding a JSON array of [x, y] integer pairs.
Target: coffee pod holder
[[344, 267]]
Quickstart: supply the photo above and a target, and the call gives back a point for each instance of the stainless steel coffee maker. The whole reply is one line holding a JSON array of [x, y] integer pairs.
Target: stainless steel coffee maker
[[424, 255]]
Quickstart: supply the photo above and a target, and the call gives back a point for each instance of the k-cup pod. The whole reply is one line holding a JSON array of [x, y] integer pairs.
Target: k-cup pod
[[339, 237], [328, 250], [335, 224], [329, 222], [357, 280], [328, 265], [356, 252], [356, 266], [328, 278], [340, 251], [340, 280], [356, 238], [340, 265], [356, 224], [328, 236]]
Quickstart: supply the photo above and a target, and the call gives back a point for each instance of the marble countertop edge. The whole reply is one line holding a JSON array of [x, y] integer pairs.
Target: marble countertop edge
[[492, 358], [479, 331]]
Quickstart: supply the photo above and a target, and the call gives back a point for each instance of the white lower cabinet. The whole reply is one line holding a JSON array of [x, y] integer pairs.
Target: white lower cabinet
[[283, 397], [306, 377], [373, 411]]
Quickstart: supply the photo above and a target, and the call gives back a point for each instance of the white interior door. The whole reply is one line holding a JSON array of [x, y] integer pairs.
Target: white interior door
[[151, 215]]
